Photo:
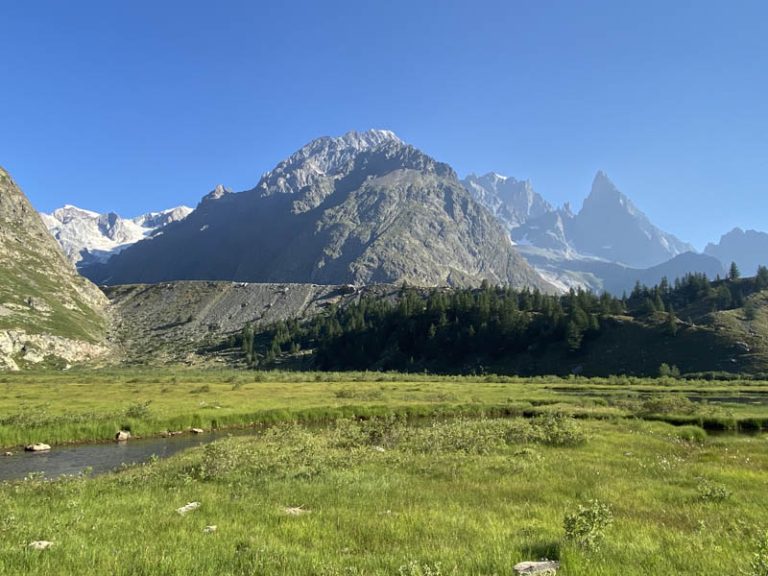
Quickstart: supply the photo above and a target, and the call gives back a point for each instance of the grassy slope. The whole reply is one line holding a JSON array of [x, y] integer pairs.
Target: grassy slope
[[32, 266]]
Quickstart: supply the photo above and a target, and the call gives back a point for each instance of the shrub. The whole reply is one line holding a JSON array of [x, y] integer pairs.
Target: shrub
[[712, 491], [691, 433], [558, 430], [586, 527], [668, 404]]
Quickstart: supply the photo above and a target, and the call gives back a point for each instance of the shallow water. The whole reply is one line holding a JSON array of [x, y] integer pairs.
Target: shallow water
[[99, 458]]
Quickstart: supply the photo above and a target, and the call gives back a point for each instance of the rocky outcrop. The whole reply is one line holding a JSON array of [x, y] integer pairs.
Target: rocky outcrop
[[19, 349]]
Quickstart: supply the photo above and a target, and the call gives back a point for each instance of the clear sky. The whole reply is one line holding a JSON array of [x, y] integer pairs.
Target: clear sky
[[137, 106]]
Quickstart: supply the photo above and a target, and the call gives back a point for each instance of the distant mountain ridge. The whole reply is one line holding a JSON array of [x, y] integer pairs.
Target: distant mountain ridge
[[88, 237], [512, 201], [608, 245], [360, 208], [747, 248]]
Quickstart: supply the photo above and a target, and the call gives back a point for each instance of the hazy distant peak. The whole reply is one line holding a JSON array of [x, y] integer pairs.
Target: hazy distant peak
[[603, 187], [748, 248]]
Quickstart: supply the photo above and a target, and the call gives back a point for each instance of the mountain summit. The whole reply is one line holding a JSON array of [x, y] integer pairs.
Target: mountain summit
[[360, 208], [610, 226]]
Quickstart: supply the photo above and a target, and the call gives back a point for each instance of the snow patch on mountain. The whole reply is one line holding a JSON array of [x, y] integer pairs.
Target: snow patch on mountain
[[87, 236]]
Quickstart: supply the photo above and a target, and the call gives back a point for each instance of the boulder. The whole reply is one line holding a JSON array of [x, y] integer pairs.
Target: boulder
[[187, 508], [122, 435], [542, 568], [37, 447], [8, 454]]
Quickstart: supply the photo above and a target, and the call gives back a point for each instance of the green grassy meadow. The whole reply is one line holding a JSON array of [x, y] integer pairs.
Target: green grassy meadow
[[387, 474]]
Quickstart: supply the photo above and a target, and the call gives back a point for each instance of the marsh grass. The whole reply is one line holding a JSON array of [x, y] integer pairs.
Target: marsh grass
[[76, 406], [460, 496]]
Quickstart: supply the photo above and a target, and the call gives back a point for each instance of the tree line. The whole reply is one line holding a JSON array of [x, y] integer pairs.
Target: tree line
[[445, 329]]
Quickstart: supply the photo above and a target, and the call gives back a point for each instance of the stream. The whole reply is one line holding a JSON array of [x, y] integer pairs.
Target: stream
[[99, 458]]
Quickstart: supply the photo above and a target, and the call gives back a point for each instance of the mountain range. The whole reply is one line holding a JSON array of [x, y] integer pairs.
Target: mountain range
[[366, 207], [609, 245], [339, 214]]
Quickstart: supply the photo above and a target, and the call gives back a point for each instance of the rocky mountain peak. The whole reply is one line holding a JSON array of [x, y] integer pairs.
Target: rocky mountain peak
[[317, 169], [218, 192], [604, 193]]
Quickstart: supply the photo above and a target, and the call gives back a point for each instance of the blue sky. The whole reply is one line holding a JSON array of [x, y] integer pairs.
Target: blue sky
[[135, 106]]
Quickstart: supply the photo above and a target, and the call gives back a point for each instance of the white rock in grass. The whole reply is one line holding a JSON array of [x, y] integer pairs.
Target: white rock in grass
[[40, 545], [210, 529], [542, 568], [187, 508], [295, 510], [196, 430], [379, 449], [37, 447]]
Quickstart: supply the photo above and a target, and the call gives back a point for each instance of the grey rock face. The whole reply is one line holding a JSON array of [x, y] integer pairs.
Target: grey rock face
[[749, 249], [361, 208], [514, 202]]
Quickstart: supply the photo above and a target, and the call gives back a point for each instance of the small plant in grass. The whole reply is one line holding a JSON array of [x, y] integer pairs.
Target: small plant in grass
[[587, 525], [758, 565], [414, 568], [712, 491], [138, 410]]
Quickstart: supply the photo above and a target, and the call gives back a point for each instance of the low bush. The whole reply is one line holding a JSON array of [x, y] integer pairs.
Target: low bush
[[587, 525]]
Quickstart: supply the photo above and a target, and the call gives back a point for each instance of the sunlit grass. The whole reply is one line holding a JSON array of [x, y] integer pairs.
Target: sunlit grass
[[457, 497]]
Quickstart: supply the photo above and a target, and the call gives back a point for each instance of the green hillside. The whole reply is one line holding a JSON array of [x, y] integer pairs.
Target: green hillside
[[691, 326], [46, 308]]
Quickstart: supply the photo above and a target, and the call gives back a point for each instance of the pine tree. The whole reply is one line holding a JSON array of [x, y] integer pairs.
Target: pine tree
[[733, 272], [761, 279], [670, 326]]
